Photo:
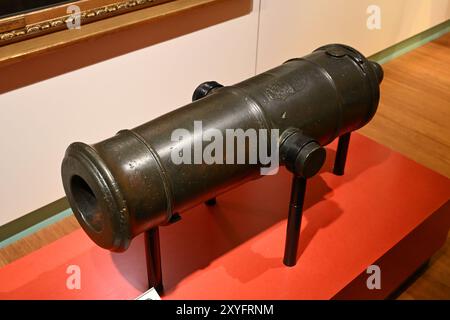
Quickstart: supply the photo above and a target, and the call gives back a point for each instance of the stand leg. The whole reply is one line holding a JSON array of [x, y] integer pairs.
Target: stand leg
[[294, 220], [341, 154], [211, 202], [153, 257]]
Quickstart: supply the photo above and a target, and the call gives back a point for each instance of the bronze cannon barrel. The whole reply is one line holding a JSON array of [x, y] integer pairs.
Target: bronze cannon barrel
[[127, 184]]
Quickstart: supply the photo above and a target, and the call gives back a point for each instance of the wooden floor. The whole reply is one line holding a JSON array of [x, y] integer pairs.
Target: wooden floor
[[414, 113], [37, 240], [413, 119]]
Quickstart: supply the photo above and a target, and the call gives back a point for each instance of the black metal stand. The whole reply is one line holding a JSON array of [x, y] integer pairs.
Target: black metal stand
[[211, 202], [303, 156], [153, 258], [294, 220], [298, 192], [341, 154]]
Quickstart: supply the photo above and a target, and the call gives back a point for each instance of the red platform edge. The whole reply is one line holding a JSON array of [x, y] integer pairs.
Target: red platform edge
[[386, 210]]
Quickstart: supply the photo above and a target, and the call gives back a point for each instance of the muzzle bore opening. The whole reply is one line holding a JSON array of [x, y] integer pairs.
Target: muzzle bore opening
[[87, 203]]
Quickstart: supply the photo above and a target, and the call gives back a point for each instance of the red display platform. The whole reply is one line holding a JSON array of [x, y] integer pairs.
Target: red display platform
[[386, 210]]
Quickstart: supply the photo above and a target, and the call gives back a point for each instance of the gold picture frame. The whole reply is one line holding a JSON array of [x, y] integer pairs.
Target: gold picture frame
[[56, 18]]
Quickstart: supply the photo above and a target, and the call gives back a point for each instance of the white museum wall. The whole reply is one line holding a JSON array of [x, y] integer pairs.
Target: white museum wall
[[293, 28]]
